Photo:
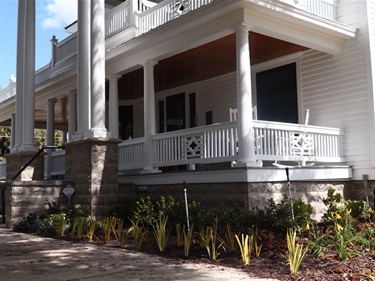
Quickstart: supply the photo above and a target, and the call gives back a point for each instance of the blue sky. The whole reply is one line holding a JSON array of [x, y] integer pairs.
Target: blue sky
[[51, 18]]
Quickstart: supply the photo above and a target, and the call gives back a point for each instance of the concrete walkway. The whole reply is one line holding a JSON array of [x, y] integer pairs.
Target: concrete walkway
[[28, 257]]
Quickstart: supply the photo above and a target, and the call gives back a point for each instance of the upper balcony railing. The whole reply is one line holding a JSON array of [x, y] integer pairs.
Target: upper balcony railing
[[8, 91], [145, 15]]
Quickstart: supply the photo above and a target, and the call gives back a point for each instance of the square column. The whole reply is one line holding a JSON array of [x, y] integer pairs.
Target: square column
[[91, 166]]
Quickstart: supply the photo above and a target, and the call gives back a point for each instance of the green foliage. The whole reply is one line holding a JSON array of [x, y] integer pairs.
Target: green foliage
[[28, 224], [296, 251], [161, 232], [209, 241], [245, 245], [78, 226], [145, 211], [139, 233], [4, 141], [228, 240], [187, 240]]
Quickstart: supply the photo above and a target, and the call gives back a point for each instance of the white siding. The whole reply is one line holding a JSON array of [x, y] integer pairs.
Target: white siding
[[336, 89], [217, 95]]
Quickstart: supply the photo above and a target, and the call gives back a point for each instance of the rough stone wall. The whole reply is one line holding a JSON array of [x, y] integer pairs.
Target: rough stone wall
[[210, 195], [15, 161], [356, 190], [92, 168], [24, 197]]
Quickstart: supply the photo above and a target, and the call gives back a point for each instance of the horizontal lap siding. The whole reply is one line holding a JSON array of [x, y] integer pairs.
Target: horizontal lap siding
[[217, 95], [335, 88]]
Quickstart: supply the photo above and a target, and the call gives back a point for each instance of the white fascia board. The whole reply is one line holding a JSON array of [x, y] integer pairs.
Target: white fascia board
[[261, 174]]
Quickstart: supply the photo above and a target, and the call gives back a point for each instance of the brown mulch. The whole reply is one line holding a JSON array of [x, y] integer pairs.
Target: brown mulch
[[272, 263]]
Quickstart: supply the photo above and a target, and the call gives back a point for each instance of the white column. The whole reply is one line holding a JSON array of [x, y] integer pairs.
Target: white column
[[12, 132], [97, 129], [29, 79], [72, 126], [246, 153], [51, 122], [20, 64], [83, 68], [149, 113], [113, 106], [50, 134]]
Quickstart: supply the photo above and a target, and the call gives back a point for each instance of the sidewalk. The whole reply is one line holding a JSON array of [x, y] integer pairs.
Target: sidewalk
[[28, 257]]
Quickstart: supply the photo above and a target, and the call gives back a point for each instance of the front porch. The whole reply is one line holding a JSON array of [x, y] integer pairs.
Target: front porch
[[209, 154]]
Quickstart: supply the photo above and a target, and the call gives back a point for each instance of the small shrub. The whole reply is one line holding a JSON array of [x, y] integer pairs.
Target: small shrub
[[161, 232], [245, 245]]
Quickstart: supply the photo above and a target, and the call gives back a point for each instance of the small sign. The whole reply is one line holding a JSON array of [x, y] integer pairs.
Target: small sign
[[68, 190]]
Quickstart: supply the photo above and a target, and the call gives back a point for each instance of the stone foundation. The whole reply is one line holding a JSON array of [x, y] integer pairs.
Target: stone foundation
[[248, 194], [15, 162], [91, 166], [24, 197]]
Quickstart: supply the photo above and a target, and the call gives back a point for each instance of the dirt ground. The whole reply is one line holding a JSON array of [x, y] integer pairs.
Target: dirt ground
[[29, 257]]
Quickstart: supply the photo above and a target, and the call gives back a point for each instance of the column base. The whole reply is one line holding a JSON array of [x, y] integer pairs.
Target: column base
[[239, 164]]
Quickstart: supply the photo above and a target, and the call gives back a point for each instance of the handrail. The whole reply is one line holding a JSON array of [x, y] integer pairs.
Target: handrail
[[19, 172]]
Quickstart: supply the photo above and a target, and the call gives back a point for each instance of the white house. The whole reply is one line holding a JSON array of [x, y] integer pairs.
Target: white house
[[219, 94]]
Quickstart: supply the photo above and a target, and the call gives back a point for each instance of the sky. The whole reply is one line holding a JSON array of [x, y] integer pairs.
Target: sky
[[51, 18]]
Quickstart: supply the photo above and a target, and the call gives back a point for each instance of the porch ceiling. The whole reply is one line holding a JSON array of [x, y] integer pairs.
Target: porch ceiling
[[197, 64], [204, 62]]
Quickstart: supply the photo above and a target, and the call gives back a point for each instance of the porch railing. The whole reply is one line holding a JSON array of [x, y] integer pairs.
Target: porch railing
[[217, 143], [57, 163], [166, 11], [3, 165], [8, 91], [294, 142]]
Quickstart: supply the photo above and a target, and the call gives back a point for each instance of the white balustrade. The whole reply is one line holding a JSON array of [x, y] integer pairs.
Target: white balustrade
[[294, 142], [3, 165], [66, 48], [130, 154], [217, 143], [323, 8], [8, 91], [166, 11], [57, 163]]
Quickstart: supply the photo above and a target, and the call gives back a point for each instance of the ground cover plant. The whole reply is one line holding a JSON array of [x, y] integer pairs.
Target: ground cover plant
[[272, 241]]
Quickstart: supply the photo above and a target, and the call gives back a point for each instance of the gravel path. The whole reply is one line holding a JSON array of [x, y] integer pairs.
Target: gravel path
[[28, 257]]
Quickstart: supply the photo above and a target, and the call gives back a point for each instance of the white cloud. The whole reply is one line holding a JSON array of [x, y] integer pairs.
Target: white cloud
[[60, 13]]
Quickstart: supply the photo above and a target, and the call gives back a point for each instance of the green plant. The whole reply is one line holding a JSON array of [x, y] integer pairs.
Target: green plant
[[179, 235], [91, 226], [255, 237], [28, 224], [209, 240], [317, 241], [187, 240], [78, 226], [229, 240], [122, 234], [245, 245], [145, 211], [161, 232], [59, 221], [139, 233], [108, 226], [296, 251]]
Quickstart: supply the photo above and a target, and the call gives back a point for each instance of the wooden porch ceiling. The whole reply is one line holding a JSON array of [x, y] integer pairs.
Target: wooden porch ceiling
[[204, 62]]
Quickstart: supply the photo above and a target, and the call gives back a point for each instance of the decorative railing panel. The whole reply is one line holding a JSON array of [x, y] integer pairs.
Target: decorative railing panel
[[323, 8], [166, 11], [294, 142], [207, 144]]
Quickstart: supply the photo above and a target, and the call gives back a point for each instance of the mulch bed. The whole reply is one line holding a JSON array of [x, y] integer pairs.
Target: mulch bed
[[272, 263]]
